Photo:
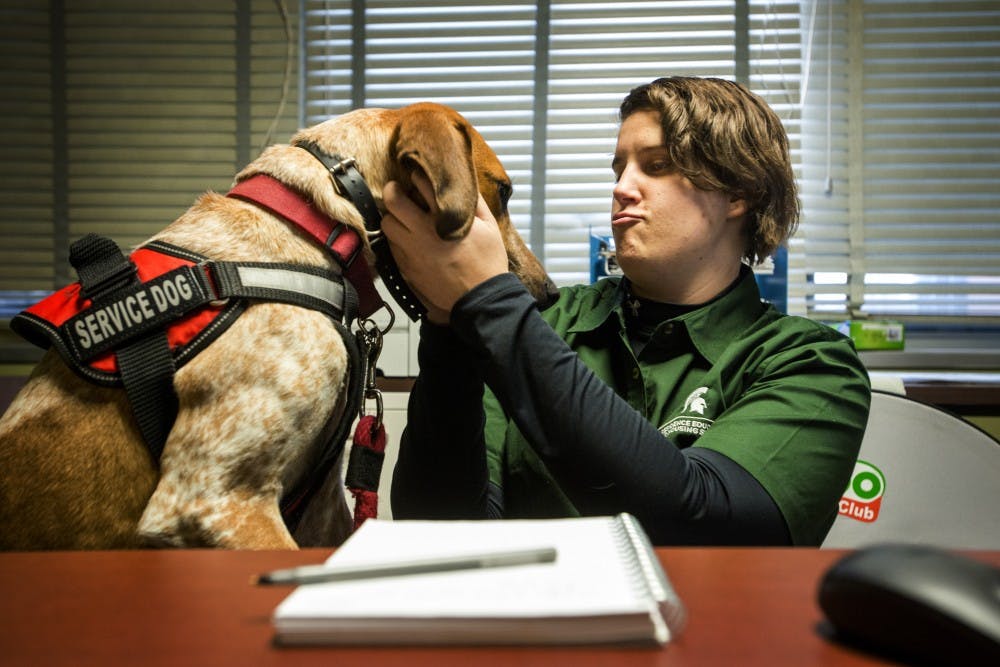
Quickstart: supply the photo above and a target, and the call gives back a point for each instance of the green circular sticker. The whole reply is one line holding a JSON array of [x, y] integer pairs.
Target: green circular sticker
[[866, 485]]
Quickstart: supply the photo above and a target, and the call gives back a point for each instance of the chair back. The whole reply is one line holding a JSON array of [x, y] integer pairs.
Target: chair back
[[923, 476]]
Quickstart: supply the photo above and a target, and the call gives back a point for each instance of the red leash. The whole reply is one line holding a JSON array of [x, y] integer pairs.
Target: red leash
[[364, 467], [369, 436]]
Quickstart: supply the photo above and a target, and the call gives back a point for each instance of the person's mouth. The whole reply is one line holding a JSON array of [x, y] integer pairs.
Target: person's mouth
[[623, 218]]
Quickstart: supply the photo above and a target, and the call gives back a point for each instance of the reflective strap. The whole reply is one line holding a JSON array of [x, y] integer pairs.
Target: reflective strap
[[306, 286], [344, 243], [256, 278]]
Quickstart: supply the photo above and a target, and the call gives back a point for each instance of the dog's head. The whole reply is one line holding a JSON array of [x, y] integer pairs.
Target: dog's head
[[389, 145]]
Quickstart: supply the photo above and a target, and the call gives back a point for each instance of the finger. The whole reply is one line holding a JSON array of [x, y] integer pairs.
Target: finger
[[394, 230], [404, 209], [483, 210], [426, 190]]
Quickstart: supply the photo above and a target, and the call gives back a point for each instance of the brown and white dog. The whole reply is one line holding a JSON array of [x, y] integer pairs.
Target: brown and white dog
[[254, 405]]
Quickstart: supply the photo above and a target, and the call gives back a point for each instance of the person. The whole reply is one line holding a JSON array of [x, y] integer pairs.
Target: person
[[672, 393]]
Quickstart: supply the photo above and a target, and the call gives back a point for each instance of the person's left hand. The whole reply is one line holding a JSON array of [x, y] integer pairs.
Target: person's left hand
[[439, 271]]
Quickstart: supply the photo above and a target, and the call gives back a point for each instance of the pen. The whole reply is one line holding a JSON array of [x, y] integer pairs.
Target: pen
[[312, 574]]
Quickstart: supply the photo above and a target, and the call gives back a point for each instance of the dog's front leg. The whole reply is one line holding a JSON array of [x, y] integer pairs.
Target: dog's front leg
[[217, 489], [252, 408]]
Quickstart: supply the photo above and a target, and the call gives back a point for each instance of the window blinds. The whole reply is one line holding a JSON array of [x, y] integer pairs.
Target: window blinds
[[542, 82], [26, 147], [118, 114], [902, 160]]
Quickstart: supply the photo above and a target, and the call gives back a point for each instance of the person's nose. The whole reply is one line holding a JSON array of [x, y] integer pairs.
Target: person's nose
[[626, 190]]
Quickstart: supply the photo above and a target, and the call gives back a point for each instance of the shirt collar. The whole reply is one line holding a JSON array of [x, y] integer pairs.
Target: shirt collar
[[715, 325], [711, 327], [611, 293]]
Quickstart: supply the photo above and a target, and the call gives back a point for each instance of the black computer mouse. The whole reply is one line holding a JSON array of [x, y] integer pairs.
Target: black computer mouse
[[919, 604]]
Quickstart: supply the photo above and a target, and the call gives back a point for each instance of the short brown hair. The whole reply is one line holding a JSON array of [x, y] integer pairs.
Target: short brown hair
[[725, 138]]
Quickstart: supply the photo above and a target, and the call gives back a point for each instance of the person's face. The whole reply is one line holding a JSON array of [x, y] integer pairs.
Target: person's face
[[674, 241]]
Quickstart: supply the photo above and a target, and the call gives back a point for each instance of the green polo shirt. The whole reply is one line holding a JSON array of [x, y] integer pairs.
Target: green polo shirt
[[784, 397]]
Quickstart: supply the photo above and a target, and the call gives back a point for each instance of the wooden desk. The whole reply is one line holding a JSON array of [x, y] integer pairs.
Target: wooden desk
[[746, 607]]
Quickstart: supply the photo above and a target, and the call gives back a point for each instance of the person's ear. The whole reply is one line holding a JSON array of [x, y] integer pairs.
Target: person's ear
[[737, 206]]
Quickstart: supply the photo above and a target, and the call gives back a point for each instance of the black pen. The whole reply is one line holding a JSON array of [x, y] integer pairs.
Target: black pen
[[313, 574]]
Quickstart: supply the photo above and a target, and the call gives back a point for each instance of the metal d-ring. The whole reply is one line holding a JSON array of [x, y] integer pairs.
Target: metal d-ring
[[372, 336], [392, 318]]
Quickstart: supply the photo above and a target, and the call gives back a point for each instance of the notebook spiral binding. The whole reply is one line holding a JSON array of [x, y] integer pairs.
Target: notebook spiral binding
[[648, 574]]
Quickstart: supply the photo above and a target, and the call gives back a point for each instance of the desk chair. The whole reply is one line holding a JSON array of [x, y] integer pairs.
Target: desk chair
[[923, 476]]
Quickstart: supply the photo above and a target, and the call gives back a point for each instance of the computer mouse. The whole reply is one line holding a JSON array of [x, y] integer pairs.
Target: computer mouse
[[921, 604]]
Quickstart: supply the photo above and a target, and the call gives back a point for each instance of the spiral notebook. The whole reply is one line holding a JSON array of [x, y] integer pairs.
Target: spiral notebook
[[605, 585]]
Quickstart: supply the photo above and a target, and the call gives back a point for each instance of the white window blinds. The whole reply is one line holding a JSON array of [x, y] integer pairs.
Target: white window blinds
[[118, 114], [542, 81], [902, 160]]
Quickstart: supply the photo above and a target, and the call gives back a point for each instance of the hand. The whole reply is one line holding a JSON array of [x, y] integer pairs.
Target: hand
[[439, 271]]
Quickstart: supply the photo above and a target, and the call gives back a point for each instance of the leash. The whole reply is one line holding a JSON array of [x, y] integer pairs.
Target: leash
[[364, 467]]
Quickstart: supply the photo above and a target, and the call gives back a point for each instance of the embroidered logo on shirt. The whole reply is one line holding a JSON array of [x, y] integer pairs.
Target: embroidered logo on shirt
[[687, 422], [696, 402]]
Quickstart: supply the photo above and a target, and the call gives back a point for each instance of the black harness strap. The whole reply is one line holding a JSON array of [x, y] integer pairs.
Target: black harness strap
[[294, 502], [102, 267], [146, 365], [147, 370]]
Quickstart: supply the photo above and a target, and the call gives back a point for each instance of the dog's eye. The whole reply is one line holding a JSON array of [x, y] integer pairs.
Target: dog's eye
[[504, 191]]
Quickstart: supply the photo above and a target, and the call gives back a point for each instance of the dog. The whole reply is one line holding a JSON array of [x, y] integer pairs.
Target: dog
[[254, 405]]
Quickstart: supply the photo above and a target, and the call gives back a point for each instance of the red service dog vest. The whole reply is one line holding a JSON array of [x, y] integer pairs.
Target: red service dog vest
[[178, 291], [170, 296]]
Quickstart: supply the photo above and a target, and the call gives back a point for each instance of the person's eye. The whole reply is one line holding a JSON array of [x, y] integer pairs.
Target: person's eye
[[658, 166]]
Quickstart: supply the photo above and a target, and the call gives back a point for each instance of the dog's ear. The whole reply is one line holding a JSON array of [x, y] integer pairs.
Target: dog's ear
[[439, 145]]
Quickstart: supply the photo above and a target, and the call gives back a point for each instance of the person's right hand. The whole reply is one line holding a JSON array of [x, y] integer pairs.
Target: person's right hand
[[439, 271]]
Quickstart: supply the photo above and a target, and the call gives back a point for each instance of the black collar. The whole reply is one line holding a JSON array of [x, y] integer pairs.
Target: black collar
[[350, 184]]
